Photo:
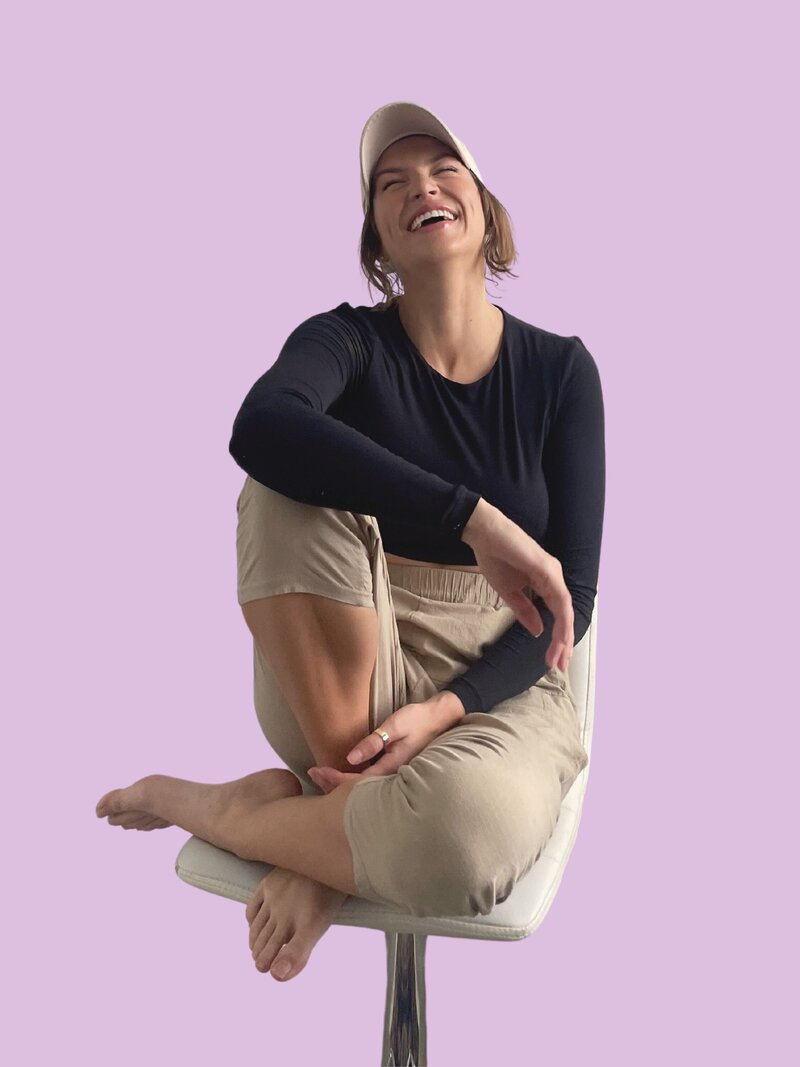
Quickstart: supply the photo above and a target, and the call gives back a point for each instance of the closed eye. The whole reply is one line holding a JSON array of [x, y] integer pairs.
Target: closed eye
[[439, 171]]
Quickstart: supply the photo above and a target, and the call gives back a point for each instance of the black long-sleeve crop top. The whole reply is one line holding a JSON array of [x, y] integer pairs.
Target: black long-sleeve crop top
[[352, 416]]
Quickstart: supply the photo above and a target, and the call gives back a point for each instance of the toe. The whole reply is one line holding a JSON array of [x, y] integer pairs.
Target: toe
[[104, 806], [259, 924], [291, 960], [127, 819], [254, 903], [136, 820], [150, 822], [262, 938], [274, 944]]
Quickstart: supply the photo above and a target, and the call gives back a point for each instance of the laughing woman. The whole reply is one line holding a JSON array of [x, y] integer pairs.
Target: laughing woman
[[418, 549]]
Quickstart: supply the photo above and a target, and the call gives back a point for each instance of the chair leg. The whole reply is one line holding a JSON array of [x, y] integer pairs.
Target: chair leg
[[404, 1029]]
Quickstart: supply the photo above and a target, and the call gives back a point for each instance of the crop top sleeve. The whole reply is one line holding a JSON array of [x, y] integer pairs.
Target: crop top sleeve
[[285, 438], [573, 461]]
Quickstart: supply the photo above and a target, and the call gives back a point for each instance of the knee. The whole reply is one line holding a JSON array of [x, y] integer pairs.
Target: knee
[[285, 545], [271, 511], [468, 846], [464, 878]]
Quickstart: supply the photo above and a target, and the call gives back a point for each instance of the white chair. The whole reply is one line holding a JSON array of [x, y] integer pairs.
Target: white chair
[[404, 1040]]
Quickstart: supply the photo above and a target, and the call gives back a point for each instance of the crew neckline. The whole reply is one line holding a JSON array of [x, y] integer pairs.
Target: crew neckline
[[451, 381]]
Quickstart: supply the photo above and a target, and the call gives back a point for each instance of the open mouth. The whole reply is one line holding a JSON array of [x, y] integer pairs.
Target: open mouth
[[433, 224]]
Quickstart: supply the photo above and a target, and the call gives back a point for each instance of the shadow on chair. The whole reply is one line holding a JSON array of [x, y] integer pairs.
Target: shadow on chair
[[404, 1039]]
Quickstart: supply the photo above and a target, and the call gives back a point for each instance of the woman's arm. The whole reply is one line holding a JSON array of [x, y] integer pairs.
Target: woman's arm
[[284, 438], [573, 461]]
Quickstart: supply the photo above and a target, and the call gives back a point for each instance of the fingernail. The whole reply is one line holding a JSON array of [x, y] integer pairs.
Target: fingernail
[[355, 756]]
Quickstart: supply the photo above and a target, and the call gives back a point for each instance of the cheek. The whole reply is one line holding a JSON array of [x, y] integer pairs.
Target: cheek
[[382, 229], [376, 226]]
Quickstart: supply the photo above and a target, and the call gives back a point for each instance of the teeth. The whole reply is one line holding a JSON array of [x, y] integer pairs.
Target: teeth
[[437, 212]]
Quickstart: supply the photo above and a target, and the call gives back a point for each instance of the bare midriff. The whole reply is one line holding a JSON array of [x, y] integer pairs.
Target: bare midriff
[[421, 563]]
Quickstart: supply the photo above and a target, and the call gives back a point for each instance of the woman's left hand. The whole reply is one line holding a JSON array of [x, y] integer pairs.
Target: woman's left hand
[[410, 729]]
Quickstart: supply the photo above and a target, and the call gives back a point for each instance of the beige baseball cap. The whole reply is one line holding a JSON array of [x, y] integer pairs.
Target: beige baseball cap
[[402, 119]]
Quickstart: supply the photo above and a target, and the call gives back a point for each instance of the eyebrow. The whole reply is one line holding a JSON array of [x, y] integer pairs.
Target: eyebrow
[[433, 159]]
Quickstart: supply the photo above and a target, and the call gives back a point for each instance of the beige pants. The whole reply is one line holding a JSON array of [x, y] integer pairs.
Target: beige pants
[[455, 828]]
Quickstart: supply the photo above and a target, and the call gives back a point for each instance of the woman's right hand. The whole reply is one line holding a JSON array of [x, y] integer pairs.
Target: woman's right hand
[[512, 561]]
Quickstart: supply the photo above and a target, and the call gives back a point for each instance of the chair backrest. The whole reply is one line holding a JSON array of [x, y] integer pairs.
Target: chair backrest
[[582, 678]]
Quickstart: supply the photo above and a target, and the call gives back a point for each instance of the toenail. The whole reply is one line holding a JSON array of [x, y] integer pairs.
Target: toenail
[[281, 968]]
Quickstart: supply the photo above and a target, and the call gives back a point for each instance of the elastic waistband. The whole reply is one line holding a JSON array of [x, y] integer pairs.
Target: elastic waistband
[[438, 583]]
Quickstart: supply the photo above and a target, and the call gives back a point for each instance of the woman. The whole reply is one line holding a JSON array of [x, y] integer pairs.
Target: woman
[[429, 734]]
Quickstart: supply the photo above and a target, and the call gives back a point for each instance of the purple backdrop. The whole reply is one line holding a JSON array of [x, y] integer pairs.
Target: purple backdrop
[[181, 190]]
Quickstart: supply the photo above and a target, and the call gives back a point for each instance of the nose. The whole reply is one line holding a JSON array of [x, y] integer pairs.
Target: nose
[[420, 185]]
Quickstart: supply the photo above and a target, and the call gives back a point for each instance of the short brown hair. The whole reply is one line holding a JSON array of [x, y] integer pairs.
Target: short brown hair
[[499, 250]]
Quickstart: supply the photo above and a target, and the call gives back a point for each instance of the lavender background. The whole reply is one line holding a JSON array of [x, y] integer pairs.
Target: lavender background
[[180, 190]]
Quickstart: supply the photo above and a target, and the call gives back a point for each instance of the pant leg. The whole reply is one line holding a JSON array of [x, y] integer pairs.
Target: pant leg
[[455, 829], [285, 546]]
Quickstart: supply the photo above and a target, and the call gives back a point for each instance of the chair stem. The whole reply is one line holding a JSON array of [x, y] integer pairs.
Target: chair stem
[[405, 1028]]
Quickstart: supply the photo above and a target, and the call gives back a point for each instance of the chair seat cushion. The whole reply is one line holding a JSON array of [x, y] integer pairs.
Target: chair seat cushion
[[217, 871]]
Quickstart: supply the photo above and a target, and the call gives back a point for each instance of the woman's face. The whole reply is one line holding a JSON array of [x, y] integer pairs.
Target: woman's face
[[425, 173]]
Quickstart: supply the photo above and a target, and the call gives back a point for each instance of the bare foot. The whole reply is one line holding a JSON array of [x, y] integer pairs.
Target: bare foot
[[128, 807], [153, 802], [288, 914]]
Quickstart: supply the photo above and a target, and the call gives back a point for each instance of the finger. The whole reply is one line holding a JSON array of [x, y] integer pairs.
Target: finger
[[331, 778], [371, 745], [554, 655], [387, 764], [564, 634], [559, 654], [565, 616], [322, 773], [318, 781], [559, 603], [526, 612], [327, 776], [363, 750], [563, 631], [325, 785]]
